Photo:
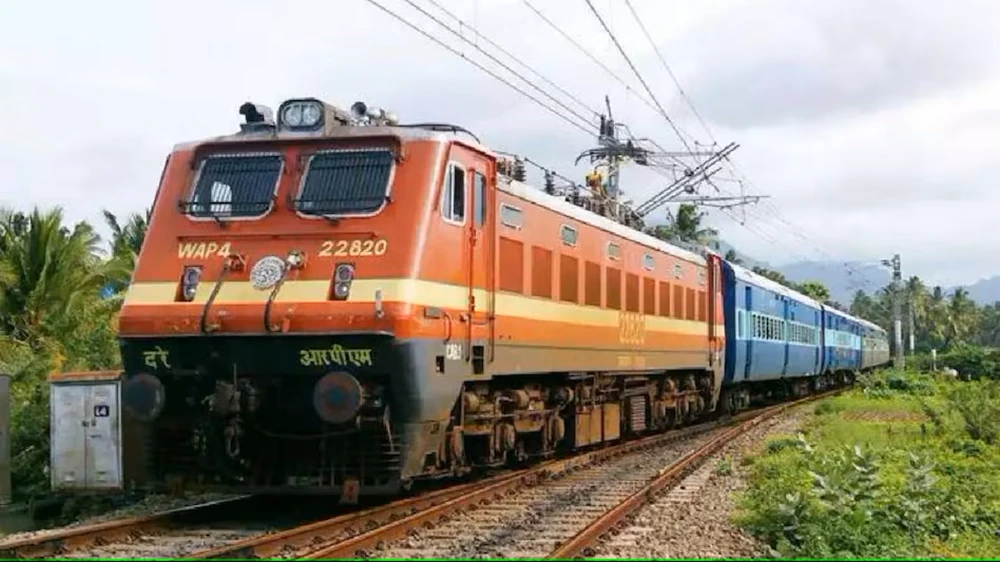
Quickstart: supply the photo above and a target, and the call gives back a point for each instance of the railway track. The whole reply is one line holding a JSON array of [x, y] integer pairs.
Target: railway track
[[71, 539], [555, 510], [559, 508], [167, 534], [583, 543], [364, 532]]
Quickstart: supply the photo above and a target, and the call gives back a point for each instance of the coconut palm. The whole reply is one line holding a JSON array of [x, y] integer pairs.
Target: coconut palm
[[126, 242], [49, 270], [685, 226]]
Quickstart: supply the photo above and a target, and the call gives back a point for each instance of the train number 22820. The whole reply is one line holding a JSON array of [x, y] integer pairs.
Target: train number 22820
[[341, 248]]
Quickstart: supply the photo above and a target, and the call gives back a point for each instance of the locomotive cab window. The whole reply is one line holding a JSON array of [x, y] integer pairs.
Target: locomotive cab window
[[453, 195], [345, 182], [234, 186]]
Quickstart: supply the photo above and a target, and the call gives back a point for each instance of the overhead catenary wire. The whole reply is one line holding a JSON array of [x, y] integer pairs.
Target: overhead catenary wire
[[494, 75], [663, 61], [588, 54], [501, 63], [546, 106], [516, 59], [793, 229], [638, 75]]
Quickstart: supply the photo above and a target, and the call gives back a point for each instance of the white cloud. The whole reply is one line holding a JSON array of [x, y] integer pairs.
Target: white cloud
[[868, 124]]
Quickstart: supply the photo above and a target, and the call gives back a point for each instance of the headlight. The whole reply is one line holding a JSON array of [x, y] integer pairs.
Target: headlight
[[343, 274], [189, 282], [301, 114]]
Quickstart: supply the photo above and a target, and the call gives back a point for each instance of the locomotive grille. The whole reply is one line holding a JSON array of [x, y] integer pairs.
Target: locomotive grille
[[234, 185], [340, 182]]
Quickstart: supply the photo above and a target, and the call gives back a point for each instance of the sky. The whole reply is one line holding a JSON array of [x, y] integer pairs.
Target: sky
[[867, 124]]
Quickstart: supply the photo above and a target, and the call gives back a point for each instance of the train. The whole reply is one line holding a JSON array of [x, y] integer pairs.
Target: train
[[330, 302]]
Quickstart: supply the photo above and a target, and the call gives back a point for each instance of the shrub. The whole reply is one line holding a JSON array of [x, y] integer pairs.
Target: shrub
[[915, 494], [978, 403]]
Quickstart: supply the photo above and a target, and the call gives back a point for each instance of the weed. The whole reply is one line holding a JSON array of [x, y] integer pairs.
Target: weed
[[854, 488]]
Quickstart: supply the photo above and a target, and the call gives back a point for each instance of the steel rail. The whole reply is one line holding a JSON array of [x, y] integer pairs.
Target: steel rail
[[581, 544], [60, 541], [365, 543]]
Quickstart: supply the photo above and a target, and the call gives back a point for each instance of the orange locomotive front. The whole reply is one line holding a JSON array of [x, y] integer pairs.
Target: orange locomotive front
[[337, 303]]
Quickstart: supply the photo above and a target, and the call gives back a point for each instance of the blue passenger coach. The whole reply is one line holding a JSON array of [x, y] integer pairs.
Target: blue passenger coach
[[841, 341], [772, 333], [874, 345]]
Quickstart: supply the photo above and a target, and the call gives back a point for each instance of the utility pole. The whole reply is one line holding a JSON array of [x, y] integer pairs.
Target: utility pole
[[912, 328], [897, 309]]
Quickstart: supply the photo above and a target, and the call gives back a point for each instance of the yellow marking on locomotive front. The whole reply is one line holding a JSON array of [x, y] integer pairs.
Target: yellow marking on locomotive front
[[353, 248], [201, 250], [335, 355], [419, 292]]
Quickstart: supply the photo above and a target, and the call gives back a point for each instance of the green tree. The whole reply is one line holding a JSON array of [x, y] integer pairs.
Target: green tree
[[815, 290], [126, 243], [49, 271], [686, 226]]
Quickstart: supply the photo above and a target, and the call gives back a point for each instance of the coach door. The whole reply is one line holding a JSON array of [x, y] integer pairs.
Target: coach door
[[481, 274], [714, 294]]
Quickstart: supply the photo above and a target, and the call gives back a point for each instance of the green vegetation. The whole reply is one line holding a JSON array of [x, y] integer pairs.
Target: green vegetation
[[905, 465], [59, 298]]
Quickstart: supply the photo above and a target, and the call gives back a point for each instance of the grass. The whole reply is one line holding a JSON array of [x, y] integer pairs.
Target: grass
[[906, 465]]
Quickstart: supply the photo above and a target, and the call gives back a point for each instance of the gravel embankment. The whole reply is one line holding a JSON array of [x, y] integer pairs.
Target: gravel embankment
[[693, 519], [531, 522]]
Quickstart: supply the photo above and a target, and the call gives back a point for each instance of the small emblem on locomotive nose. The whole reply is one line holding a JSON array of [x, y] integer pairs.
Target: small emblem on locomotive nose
[[267, 272]]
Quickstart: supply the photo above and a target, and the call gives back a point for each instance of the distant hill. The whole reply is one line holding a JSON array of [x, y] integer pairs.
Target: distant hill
[[986, 291], [843, 279]]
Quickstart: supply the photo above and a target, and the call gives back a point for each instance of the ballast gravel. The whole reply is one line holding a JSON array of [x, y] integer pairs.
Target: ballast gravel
[[149, 505], [693, 519]]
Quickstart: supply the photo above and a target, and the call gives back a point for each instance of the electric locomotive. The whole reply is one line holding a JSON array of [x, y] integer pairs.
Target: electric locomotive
[[332, 302]]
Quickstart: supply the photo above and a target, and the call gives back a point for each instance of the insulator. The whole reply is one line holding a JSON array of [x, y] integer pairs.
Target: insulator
[[518, 172]]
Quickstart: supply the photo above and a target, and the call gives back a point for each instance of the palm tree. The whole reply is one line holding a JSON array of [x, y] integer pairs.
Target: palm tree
[[686, 227], [48, 270], [126, 243], [962, 316]]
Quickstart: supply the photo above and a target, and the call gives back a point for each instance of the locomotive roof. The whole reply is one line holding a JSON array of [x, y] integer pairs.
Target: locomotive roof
[[539, 197], [749, 276], [345, 132], [511, 186]]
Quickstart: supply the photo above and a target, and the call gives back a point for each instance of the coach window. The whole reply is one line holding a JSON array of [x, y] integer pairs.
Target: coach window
[[647, 262], [453, 196], [569, 235], [614, 250], [511, 216], [479, 204], [678, 270]]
